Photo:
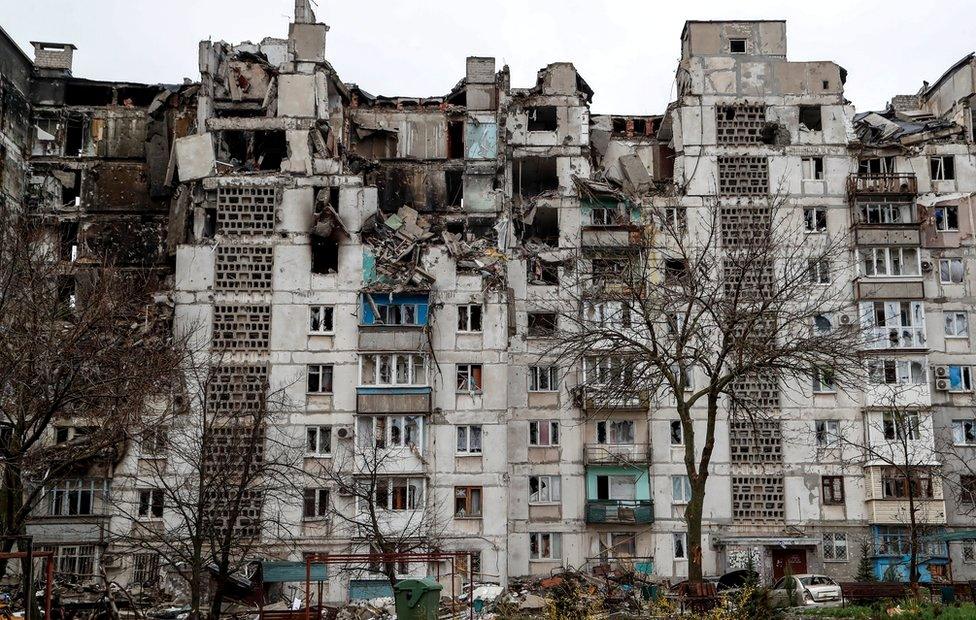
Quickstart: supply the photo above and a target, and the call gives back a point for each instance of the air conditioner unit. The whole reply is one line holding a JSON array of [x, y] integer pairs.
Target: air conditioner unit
[[942, 372], [844, 319], [926, 266], [344, 432], [942, 385]]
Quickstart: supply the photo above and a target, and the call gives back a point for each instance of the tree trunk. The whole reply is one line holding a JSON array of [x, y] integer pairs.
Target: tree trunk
[[693, 519], [217, 599]]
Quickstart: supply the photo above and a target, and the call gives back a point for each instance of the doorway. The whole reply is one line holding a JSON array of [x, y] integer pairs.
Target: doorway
[[795, 559]]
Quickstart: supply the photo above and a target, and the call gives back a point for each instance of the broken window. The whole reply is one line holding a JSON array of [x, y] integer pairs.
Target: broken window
[[467, 502], [545, 546], [469, 439], [544, 489], [542, 118], [316, 504], [942, 168], [542, 272], [318, 440], [951, 271], [455, 139], [619, 125], [321, 319], [319, 379], [77, 135], [677, 433], [151, 503], [468, 378], [811, 117], [325, 256], [543, 378], [469, 318], [396, 309], [47, 136], [815, 219], [69, 241], [544, 226], [886, 211], [615, 432], [640, 126], [832, 490], [876, 165], [253, 150], [818, 270], [606, 271], [675, 269], [542, 324], [535, 175], [544, 433], [454, 182], [947, 218], [737, 46], [813, 168], [393, 369]]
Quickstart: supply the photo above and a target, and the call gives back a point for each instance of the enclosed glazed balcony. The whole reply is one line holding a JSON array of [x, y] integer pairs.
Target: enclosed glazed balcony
[[640, 511]]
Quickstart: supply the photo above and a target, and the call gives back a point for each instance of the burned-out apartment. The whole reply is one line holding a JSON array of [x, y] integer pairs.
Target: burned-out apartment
[[386, 267]]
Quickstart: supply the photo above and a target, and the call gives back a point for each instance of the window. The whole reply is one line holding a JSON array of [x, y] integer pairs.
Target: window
[[316, 504], [960, 378], [950, 270], [318, 440], [896, 372], [617, 545], [541, 272], [813, 167], [942, 168], [75, 497], [74, 562], [604, 271], [677, 433], [615, 432], [542, 118], [680, 543], [737, 46], [886, 211], [320, 320], [467, 502], [876, 165], [153, 442], [469, 439], [964, 432], [815, 219], [832, 490], [956, 324], [469, 378], [675, 219], [392, 369], [834, 547], [545, 546], [406, 310], [675, 270], [319, 379], [392, 431], [894, 485], [894, 324], [542, 324], [812, 119], [969, 551], [680, 489], [543, 378], [544, 489], [469, 318], [470, 572], [608, 314], [151, 503], [828, 433], [822, 324], [607, 215], [399, 493], [544, 433], [889, 261], [967, 489], [947, 218], [818, 270], [145, 569], [900, 426], [823, 381]]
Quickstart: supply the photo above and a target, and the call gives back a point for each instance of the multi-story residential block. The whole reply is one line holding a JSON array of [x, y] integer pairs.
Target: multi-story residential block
[[388, 266]]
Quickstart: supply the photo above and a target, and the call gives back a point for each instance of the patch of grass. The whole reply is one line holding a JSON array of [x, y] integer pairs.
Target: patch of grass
[[910, 610]]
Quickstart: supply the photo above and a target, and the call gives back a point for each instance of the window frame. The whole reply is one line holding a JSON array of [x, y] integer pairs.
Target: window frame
[[959, 430], [811, 215], [536, 373], [830, 433], [949, 273], [829, 488], [536, 540], [734, 41], [952, 317], [152, 504], [390, 362], [818, 271], [906, 428], [552, 433], [469, 502], [679, 540], [326, 319], [938, 169], [887, 255], [681, 433], [553, 487], [466, 318], [834, 538], [965, 377], [320, 430], [313, 497], [942, 217], [390, 422], [816, 167], [477, 378], [319, 373], [468, 435], [682, 482]]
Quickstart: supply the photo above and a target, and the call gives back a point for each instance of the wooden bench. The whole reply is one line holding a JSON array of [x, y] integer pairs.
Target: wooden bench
[[699, 598], [287, 614], [870, 591]]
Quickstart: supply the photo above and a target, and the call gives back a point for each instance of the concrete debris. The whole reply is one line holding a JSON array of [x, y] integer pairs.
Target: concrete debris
[[195, 157]]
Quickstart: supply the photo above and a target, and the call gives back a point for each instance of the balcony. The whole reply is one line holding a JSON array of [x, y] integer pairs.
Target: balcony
[[404, 399], [895, 512], [613, 454], [883, 183], [879, 338], [640, 511], [610, 402]]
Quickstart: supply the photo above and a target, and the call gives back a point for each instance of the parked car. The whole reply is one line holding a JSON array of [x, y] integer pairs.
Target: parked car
[[808, 590]]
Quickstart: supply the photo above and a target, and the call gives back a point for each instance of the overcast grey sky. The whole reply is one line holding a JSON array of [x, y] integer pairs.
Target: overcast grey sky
[[626, 50]]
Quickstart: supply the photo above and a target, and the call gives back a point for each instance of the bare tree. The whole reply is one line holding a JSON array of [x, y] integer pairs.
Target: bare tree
[[215, 477], [691, 305], [383, 497], [82, 350]]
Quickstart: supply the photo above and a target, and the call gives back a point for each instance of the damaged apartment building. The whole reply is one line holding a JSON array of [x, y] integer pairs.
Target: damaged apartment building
[[386, 264]]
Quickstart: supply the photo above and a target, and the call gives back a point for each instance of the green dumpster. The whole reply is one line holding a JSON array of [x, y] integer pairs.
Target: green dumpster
[[417, 599]]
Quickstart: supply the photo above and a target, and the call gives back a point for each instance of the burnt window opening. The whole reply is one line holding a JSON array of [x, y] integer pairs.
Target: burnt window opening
[[876, 165], [254, 150], [67, 293], [737, 46], [675, 269], [71, 191], [136, 96], [545, 226], [640, 126], [76, 135], [455, 139], [81, 93], [536, 175], [811, 117], [68, 246], [454, 180], [542, 118], [542, 323], [334, 197], [542, 273], [325, 256], [619, 125]]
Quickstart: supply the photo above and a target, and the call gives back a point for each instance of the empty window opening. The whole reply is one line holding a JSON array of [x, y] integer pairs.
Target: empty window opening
[[469, 318], [942, 168], [542, 118], [454, 180], [640, 126], [675, 269], [811, 117], [253, 150], [542, 324], [80, 93], [135, 96], [876, 165], [455, 139], [541, 272], [536, 175], [619, 125], [69, 240], [70, 187], [76, 135], [334, 197], [813, 168], [545, 226], [325, 256], [737, 46], [209, 224]]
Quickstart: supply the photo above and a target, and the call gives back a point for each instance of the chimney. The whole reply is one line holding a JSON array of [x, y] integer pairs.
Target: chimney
[[49, 55], [303, 12]]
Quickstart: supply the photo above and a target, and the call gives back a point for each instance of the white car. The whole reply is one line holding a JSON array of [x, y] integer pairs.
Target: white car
[[807, 590]]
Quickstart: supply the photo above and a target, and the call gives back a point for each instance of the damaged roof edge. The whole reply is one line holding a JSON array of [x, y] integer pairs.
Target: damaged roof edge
[[965, 60]]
